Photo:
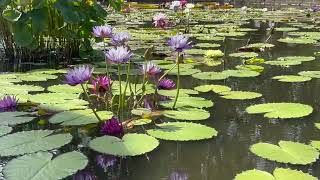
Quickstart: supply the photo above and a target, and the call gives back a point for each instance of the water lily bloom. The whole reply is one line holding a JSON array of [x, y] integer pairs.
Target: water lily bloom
[[179, 43], [166, 84], [78, 75], [105, 161], [8, 103], [175, 5], [160, 20], [120, 38], [101, 85], [183, 3], [118, 55], [84, 175], [150, 69], [102, 31], [112, 127]]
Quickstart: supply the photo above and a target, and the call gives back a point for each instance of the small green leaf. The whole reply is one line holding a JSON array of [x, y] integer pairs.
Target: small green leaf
[[11, 15]]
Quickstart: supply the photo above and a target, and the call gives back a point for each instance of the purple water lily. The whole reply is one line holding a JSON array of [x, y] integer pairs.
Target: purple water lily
[[84, 175], [120, 38], [179, 43], [161, 20], [78, 75], [119, 54], [8, 103], [150, 69], [102, 31], [112, 127], [105, 161], [166, 84], [175, 5], [101, 85]]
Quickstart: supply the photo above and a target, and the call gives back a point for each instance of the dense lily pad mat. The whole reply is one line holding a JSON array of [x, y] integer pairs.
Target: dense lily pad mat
[[14, 118], [281, 110], [129, 145], [286, 152], [278, 174], [31, 141], [182, 131], [40, 166]]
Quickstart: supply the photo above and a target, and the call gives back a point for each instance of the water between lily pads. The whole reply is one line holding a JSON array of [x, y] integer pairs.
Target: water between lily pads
[[228, 154]]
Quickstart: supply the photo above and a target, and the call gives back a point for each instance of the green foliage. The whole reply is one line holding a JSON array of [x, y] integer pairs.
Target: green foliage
[[191, 114], [40, 166]]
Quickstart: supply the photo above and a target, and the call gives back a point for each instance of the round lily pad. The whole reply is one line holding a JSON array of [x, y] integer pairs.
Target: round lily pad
[[244, 54], [241, 73], [130, 145], [191, 114], [212, 87], [311, 74], [239, 95], [292, 78], [286, 152], [298, 40], [281, 110], [196, 102], [210, 76], [182, 131]]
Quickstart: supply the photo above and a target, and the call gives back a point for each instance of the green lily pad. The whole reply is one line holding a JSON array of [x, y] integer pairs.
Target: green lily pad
[[173, 92], [279, 174], [241, 73], [286, 29], [260, 45], [311, 74], [212, 87], [184, 71], [315, 144], [15, 118], [292, 78], [140, 122], [79, 117], [286, 152], [207, 45], [244, 54], [256, 68], [281, 110], [196, 102], [15, 89], [195, 51], [129, 145], [239, 95], [317, 125], [210, 76], [182, 131], [65, 88], [141, 111], [297, 58], [36, 77], [31, 141], [283, 63], [298, 40], [191, 114], [41, 166], [5, 130], [213, 54]]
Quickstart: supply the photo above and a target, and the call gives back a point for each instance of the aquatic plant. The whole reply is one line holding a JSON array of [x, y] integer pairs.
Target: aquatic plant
[[119, 55], [78, 75], [104, 31], [161, 20], [120, 38], [101, 85], [166, 84], [112, 127], [8, 103]]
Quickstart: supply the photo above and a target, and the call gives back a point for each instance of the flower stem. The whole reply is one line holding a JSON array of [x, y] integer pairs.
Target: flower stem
[[126, 86], [104, 48], [88, 98], [120, 89], [178, 82], [168, 71]]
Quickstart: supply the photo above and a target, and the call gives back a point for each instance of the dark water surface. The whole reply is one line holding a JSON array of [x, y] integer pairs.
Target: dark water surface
[[226, 155]]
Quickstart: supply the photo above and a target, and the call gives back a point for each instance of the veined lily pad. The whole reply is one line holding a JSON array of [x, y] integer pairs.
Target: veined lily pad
[[129, 145], [196, 102], [191, 114], [195, 51], [212, 87], [279, 174], [292, 78], [79, 117], [244, 54], [210, 76], [14, 118], [311, 74], [281, 110], [239, 95], [31, 141], [286, 152], [41, 166], [283, 63], [184, 71], [182, 131]]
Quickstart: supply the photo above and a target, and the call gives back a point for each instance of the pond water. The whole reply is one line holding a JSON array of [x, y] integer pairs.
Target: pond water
[[228, 154]]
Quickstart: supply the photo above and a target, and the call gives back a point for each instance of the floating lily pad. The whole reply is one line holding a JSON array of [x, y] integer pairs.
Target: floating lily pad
[[15, 118], [140, 122], [231, 34], [286, 29], [286, 152], [173, 92], [297, 58], [196, 102], [5, 130], [260, 45], [184, 71], [41, 166], [256, 68], [241, 73], [292, 78], [207, 45], [129, 145], [79, 117], [283, 63], [195, 51], [281, 110], [210, 76], [279, 174], [239, 95], [31, 141], [15, 89], [191, 114], [244, 54], [36, 77], [311, 74], [65, 88], [297, 40], [212, 87], [182, 131], [141, 111]]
